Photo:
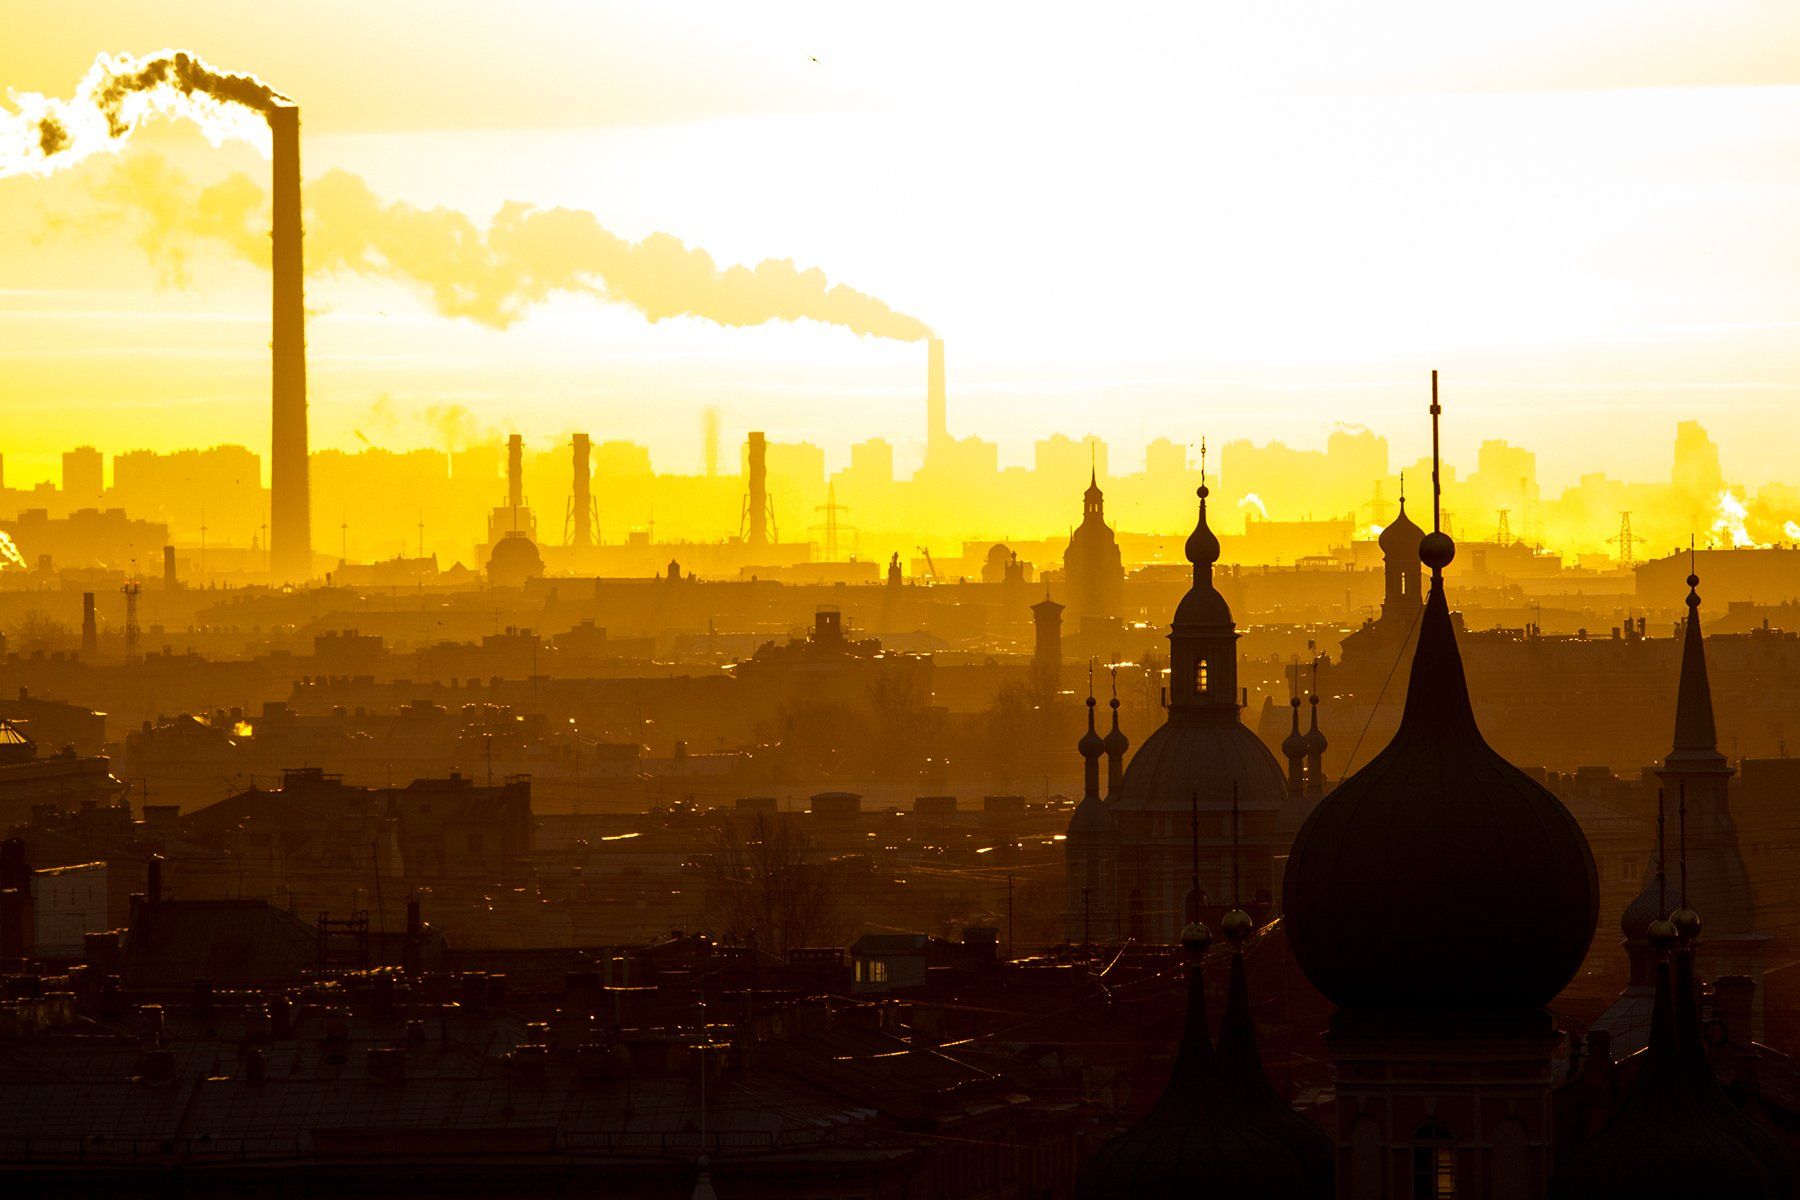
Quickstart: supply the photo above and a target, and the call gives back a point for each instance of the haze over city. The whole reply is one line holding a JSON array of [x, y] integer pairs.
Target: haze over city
[[973, 604]]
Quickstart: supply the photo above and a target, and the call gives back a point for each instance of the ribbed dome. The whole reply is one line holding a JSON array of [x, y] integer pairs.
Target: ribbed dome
[[1400, 540], [1440, 877], [1184, 757]]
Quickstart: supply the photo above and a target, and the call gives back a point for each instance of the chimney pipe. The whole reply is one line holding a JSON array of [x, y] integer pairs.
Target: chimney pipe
[[582, 502], [759, 491], [153, 880], [937, 420], [90, 630], [290, 506], [515, 473], [170, 582]]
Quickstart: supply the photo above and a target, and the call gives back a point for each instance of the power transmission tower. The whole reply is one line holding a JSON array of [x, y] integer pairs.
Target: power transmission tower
[[831, 508], [1503, 531], [1626, 541]]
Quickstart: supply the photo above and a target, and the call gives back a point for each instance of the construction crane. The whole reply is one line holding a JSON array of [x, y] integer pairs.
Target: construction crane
[[1627, 542], [931, 571]]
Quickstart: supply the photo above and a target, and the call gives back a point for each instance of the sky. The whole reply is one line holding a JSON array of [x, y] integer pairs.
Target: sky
[[1237, 221]]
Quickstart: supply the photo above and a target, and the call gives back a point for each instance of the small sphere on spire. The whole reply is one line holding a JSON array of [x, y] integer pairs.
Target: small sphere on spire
[[1686, 922], [1196, 939], [1693, 581], [1436, 550], [1662, 934], [1237, 926], [1203, 491]]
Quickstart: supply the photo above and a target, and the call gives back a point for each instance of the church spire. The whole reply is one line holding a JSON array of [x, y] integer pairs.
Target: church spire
[[1696, 737], [1091, 747], [1115, 742]]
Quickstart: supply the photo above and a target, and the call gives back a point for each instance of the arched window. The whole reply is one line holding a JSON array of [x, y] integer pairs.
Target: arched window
[[1434, 1162], [1202, 677]]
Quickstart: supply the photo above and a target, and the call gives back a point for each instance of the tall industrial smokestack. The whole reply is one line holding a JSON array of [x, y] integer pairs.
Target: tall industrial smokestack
[[759, 491], [582, 501], [515, 472], [290, 504], [171, 581], [937, 419]]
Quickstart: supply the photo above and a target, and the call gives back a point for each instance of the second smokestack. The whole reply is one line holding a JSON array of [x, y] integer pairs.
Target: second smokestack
[[759, 491], [290, 503], [582, 501]]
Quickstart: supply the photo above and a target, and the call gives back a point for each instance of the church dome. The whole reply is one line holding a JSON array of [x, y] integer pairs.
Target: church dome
[[1294, 744], [1400, 540], [1440, 876], [1184, 757]]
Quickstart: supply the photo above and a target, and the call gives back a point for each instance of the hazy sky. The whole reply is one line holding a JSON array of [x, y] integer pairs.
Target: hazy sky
[[1237, 220]]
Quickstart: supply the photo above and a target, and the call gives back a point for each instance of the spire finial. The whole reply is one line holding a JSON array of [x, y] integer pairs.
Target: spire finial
[[1402, 489], [1685, 919], [1203, 466], [1436, 550], [1237, 895], [1662, 879], [1194, 850]]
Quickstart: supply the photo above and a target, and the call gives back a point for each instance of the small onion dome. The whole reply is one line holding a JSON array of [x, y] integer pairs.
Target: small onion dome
[[1664, 1141], [1642, 912], [1203, 548], [1662, 934], [1116, 741], [1315, 737], [1237, 926], [1400, 540], [1202, 605], [1480, 882], [1091, 745], [1294, 744], [1687, 924]]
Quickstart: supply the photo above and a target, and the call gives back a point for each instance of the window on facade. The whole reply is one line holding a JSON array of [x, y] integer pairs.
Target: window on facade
[[1434, 1162], [1202, 677], [859, 970], [878, 972]]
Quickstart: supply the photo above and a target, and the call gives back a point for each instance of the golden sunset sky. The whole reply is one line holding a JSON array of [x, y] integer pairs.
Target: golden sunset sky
[[1238, 220]]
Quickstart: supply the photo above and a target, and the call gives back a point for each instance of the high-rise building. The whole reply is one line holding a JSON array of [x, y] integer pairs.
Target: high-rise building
[[83, 476]]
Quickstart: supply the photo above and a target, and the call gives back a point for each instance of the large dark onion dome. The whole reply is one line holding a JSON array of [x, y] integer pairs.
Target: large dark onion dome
[[1440, 877], [1665, 1142], [1218, 1129], [1204, 745]]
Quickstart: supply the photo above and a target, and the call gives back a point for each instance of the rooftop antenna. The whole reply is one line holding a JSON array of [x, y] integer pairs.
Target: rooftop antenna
[[1662, 880], [1237, 895], [1437, 487], [1194, 851], [1681, 827]]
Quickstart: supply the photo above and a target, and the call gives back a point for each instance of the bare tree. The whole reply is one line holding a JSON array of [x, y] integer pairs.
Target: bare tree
[[38, 630], [767, 884]]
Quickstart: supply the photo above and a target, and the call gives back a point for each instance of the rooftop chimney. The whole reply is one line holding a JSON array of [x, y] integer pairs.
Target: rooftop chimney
[[90, 630], [515, 472], [937, 421], [290, 506], [759, 491], [582, 501], [170, 581]]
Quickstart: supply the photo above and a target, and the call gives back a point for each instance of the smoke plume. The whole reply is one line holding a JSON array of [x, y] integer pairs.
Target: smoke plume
[[495, 274], [41, 134]]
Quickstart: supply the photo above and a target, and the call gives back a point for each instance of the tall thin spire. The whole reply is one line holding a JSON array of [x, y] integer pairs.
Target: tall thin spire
[[1116, 742], [1437, 484], [1091, 747], [1696, 736]]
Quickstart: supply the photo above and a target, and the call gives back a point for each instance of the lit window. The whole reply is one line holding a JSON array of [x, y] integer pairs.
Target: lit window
[[859, 970], [1434, 1163], [878, 972]]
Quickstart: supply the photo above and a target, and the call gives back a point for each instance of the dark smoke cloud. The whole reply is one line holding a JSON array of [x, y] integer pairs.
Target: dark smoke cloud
[[41, 133], [493, 275]]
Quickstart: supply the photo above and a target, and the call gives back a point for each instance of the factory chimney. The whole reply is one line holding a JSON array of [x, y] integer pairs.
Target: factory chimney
[[515, 474], [170, 580], [937, 420], [90, 628], [582, 500], [290, 505], [758, 501]]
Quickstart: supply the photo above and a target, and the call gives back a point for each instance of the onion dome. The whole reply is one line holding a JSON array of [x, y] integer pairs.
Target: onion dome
[[1294, 744], [1647, 908], [1663, 1143], [1116, 743], [1315, 737], [1091, 745], [1400, 540], [1440, 877], [1218, 1128], [1203, 548], [1300, 1158]]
